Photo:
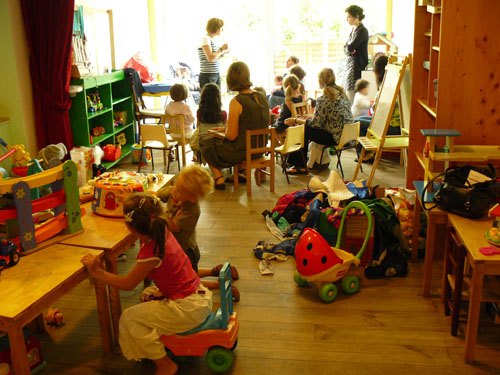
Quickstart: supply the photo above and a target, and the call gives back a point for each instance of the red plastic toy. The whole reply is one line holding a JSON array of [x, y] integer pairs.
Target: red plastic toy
[[320, 264]]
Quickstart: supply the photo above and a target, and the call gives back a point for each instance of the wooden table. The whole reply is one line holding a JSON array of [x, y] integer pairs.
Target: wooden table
[[471, 233], [435, 218], [36, 282], [111, 235]]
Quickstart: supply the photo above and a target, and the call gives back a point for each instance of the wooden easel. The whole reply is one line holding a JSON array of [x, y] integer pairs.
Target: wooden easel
[[396, 86]]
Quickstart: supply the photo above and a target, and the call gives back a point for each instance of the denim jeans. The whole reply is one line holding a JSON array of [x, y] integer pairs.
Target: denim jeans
[[205, 78]]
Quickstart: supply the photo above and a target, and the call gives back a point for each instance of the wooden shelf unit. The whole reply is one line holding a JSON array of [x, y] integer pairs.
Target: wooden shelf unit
[[116, 95], [459, 41]]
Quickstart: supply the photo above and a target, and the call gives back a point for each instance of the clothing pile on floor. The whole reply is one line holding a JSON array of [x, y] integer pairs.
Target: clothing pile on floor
[[320, 206]]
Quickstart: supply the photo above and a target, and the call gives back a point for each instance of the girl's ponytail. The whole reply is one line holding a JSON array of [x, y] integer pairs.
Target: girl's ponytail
[[157, 229]]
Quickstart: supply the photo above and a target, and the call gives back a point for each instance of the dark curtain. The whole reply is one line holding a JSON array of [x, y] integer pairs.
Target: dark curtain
[[49, 27]]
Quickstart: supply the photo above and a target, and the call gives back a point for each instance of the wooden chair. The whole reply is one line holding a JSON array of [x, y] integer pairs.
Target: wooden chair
[[154, 137], [396, 85], [294, 141], [299, 109], [260, 152], [142, 113], [177, 132]]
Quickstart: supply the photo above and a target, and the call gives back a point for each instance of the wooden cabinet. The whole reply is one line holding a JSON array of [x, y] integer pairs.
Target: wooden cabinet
[[97, 126], [457, 43]]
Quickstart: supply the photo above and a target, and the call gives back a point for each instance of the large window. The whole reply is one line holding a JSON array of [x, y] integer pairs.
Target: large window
[[316, 31]]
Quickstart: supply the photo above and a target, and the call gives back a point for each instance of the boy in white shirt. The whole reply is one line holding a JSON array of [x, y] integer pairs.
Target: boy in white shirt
[[361, 104]]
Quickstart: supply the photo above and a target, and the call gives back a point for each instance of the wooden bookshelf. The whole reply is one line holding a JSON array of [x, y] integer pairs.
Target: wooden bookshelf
[[458, 42]]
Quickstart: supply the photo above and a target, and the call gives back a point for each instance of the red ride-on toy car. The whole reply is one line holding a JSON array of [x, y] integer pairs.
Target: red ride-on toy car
[[218, 334], [9, 253]]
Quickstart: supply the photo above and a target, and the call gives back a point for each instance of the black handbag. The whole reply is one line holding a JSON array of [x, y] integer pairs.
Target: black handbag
[[458, 196]]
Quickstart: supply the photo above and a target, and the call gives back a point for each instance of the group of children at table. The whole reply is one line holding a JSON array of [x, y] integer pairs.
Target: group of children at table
[[169, 256]]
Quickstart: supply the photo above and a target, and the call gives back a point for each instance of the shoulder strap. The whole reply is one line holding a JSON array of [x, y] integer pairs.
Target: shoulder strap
[[426, 187]]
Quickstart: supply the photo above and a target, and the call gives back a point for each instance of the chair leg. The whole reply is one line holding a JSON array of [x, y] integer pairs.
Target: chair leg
[[249, 179], [339, 164], [177, 155], [236, 173], [140, 160], [168, 164], [164, 157], [284, 165], [457, 293], [360, 160], [152, 159]]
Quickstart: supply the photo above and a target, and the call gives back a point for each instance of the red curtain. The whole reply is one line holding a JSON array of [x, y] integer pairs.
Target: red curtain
[[49, 27]]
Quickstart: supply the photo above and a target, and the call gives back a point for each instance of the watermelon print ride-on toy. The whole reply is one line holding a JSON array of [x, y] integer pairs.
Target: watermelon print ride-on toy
[[320, 264]]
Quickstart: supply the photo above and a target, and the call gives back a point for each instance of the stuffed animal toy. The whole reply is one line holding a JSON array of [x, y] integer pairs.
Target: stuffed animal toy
[[57, 151]]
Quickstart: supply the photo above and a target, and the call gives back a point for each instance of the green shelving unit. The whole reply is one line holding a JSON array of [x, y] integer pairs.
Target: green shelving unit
[[116, 96]]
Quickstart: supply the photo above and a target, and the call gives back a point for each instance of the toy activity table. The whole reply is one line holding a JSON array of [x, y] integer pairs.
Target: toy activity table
[[471, 233], [35, 283]]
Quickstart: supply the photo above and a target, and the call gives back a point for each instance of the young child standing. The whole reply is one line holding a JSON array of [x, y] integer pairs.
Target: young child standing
[[361, 104], [178, 106], [183, 211], [187, 303]]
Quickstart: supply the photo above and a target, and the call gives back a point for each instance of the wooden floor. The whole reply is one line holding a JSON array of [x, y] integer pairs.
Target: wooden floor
[[386, 328]]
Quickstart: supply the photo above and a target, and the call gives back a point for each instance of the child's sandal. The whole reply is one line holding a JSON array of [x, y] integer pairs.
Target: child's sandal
[[234, 272]]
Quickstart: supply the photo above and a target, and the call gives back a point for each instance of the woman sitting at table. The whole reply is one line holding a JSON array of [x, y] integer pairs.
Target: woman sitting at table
[[333, 111], [247, 111]]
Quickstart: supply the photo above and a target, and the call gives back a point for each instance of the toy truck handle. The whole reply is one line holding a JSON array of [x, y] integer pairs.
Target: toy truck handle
[[366, 210]]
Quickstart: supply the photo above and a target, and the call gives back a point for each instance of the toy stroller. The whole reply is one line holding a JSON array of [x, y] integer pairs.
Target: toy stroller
[[320, 264], [218, 334]]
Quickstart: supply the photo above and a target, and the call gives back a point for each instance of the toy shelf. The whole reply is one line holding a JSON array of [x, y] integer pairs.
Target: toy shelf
[[115, 94]]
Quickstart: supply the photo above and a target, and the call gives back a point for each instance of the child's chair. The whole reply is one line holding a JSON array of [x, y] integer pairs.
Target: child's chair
[[154, 137], [177, 132], [294, 141], [261, 142], [348, 140]]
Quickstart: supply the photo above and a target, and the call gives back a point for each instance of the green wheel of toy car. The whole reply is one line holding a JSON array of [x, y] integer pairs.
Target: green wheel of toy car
[[350, 284], [328, 292], [219, 359], [298, 279]]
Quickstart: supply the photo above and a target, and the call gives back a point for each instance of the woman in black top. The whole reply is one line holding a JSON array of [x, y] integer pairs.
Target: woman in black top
[[356, 49]]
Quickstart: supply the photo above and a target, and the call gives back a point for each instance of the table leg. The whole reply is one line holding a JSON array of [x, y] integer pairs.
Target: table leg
[[429, 254], [114, 296], [476, 289], [104, 317], [416, 230], [18, 353]]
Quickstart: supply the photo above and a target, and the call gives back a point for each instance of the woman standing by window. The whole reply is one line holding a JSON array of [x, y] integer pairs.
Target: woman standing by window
[[209, 53], [356, 49]]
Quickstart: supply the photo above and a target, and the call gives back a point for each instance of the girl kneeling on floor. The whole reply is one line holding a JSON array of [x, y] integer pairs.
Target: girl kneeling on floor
[[187, 303]]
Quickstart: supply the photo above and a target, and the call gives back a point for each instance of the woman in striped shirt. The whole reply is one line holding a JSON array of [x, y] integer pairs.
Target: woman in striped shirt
[[210, 53]]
